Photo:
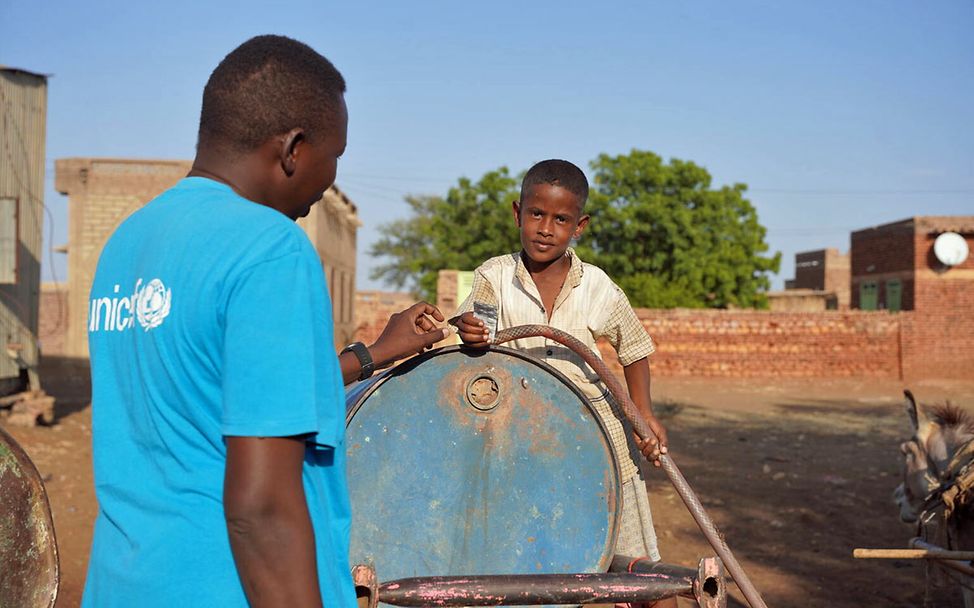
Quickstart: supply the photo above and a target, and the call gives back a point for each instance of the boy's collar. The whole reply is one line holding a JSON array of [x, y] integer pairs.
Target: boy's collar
[[575, 271], [574, 277]]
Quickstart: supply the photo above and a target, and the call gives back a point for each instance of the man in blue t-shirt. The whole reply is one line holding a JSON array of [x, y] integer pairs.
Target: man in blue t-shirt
[[218, 402]]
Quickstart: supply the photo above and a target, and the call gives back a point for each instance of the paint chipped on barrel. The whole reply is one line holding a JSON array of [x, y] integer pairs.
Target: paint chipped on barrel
[[466, 461]]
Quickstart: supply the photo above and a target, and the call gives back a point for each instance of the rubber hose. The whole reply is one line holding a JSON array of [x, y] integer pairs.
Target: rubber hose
[[706, 524]]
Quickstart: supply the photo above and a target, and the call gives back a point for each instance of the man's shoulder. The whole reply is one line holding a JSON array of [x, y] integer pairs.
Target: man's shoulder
[[211, 223]]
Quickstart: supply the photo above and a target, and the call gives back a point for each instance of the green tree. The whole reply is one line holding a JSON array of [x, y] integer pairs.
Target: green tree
[[471, 224], [658, 229], [670, 240]]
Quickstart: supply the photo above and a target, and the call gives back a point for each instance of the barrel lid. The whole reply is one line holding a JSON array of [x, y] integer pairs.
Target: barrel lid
[[465, 461]]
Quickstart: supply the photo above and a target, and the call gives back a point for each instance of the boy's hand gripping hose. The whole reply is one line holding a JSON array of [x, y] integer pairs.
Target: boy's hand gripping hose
[[707, 526]]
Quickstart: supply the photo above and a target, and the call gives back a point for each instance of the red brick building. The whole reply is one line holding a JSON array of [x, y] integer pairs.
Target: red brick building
[[894, 268]]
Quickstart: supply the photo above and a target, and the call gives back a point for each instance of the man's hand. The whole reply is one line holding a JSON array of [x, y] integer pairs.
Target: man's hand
[[472, 330], [653, 447], [408, 333]]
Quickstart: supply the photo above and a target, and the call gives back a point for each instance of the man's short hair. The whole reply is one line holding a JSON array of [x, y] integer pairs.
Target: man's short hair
[[557, 173], [265, 87]]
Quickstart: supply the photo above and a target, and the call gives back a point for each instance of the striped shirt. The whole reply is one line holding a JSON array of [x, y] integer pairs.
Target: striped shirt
[[589, 306]]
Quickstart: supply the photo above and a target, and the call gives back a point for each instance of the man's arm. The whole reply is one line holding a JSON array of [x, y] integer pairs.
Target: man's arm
[[409, 332], [637, 381], [267, 519]]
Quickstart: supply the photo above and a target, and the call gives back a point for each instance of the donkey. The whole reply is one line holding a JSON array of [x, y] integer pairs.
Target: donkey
[[937, 492]]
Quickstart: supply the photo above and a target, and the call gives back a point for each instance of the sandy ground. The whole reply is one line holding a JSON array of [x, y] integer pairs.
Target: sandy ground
[[796, 474]]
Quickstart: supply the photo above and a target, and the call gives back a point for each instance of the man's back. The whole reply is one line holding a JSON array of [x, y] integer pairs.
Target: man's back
[[195, 300]]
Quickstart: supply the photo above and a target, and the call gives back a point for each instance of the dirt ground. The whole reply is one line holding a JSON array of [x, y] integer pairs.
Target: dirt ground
[[796, 475]]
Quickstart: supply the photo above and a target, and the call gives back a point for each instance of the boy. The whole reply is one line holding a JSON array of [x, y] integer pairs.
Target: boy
[[218, 405], [546, 283]]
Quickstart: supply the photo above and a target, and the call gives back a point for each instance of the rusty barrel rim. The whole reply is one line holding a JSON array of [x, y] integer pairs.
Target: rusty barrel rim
[[29, 567], [562, 407]]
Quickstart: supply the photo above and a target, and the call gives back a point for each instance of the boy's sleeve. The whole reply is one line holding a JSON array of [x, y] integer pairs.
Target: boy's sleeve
[[269, 351], [625, 332], [480, 291]]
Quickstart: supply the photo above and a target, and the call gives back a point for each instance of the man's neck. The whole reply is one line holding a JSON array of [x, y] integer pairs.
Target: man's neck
[[240, 172]]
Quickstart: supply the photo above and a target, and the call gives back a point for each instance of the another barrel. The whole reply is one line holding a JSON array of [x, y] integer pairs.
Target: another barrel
[[465, 461], [28, 550]]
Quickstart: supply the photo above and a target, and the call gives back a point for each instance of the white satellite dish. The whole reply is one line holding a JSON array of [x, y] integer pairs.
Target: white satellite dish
[[950, 248]]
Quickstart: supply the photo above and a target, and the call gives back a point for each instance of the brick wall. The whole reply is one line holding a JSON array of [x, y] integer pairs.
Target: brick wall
[[932, 342], [447, 283], [743, 343], [53, 318], [373, 309], [734, 343], [939, 339]]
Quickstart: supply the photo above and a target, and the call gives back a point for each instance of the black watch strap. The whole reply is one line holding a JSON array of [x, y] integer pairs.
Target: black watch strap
[[364, 358]]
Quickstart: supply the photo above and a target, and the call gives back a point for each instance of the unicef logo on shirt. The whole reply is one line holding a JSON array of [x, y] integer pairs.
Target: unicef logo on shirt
[[152, 303]]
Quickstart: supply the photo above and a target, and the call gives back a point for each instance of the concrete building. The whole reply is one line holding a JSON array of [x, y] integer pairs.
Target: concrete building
[[332, 227], [802, 300], [895, 268], [23, 104], [102, 192], [821, 283]]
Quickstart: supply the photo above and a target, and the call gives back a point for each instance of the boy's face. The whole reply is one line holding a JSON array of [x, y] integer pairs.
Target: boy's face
[[549, 217]]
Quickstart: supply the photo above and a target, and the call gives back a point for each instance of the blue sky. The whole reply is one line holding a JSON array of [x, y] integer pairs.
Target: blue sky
[[838, 115]]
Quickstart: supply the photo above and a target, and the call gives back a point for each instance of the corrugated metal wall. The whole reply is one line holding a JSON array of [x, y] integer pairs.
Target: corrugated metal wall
[[23, 112]]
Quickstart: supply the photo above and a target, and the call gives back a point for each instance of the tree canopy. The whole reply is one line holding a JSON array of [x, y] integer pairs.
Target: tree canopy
[[658, 229], [671, 240], [473, 223]]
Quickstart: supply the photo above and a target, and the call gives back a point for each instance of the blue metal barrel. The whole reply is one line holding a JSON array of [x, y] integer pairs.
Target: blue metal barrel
[[478, 462]]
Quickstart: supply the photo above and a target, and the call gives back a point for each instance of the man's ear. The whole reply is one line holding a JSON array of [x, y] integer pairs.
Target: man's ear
[[516, 206], [291, 145], [580, 228]]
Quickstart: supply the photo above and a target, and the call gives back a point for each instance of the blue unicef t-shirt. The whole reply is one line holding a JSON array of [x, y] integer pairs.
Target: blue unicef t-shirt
[[208, 318]]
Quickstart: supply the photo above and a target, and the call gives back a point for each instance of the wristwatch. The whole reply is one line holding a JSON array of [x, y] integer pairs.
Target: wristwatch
[[364, 358]]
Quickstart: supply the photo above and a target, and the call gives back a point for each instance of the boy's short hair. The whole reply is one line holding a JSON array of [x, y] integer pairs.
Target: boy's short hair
[[265, 87], [560, 173]]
